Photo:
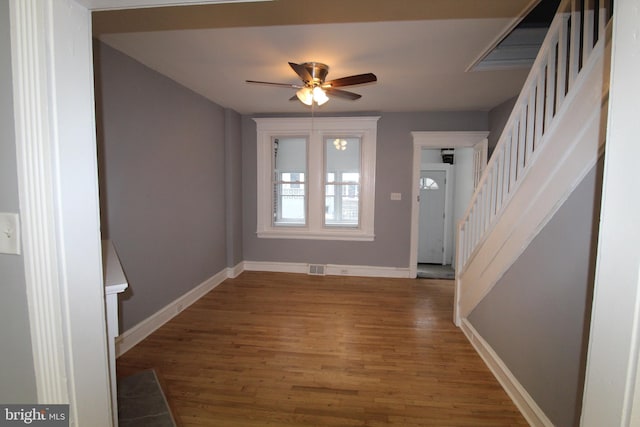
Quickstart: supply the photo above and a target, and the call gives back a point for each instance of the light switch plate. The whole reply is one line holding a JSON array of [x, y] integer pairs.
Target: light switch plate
[[396, 196], [9, 233]]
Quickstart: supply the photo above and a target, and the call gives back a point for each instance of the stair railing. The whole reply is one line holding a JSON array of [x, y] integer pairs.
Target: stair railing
[[575, 30]]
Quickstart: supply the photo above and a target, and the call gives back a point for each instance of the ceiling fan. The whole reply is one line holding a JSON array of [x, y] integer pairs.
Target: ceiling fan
[[314, 88]]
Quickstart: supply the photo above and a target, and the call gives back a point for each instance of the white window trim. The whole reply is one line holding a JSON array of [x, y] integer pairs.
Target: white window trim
[[316, 129]]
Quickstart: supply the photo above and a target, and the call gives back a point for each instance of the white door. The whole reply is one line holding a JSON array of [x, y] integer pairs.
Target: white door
[[431, 224]]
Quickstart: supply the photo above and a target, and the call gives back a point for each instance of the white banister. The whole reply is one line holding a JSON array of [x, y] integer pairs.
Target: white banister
[[115, 282], [576, 28]]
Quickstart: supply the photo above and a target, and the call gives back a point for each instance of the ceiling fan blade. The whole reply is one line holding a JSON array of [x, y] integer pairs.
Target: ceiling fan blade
[[351, 80], [301, 71], [339, 93], [289, 85]]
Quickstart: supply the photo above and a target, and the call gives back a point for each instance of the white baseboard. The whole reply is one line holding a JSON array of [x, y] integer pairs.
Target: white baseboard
[[233, 272], [134, 335], [525, 403], [331, 269]]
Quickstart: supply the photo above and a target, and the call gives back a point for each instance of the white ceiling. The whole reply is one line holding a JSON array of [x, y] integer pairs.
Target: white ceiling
[[420, 64]]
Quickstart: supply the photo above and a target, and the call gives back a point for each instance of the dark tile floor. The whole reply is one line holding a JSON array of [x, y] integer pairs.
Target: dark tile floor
[[435, 271], [141, 402]]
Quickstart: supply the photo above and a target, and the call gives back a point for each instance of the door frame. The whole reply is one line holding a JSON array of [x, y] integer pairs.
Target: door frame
[[430, 139]]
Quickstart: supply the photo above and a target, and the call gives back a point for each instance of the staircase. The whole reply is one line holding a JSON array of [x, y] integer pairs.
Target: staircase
[[551, 140]]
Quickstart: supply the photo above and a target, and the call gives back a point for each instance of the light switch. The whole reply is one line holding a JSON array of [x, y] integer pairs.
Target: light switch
[[396, 196], [9, 233]]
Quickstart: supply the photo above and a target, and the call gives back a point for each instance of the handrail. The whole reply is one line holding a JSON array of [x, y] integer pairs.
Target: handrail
[[575, 30]]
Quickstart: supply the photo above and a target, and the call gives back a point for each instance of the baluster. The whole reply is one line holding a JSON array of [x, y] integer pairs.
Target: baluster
[[480, 223], [519, 154], [513, 162], [551, 85], [474, 218], [588, 27], [492, 197], [469, 242], [561, 83], [574, 42], [499, 182], [504, 176], [482, 211], [522, 138], [462, 247], [469, 235], [506, 187], [540, 107], [531, 117], [477, 169], [603, 17], [486, 215]]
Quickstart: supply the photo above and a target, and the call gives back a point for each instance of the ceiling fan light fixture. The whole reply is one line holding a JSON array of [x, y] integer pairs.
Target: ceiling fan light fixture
[[305, 96], [319, 95]]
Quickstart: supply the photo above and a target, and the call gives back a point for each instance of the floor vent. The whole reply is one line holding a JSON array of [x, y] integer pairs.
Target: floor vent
[[316, 270]]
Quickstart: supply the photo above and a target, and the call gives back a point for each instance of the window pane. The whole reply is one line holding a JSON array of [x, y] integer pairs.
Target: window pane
[[289, 195], [342, 182], [428, 184]]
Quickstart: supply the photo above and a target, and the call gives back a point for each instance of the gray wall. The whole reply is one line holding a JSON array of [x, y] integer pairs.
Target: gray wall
[[392, 218], [498, 117], [536, 318], [162, 168], [17, 376]]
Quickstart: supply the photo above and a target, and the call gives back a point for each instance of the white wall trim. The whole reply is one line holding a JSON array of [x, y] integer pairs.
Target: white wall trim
[[128, 339], [523, 400], [331, 269], [611, 396], [315, 130], [58, 190], [129, 4], [422, 140], [235, 271], [35, 146]]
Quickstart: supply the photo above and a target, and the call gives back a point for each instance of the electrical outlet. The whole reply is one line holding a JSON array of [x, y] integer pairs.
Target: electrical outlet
[[9, 233]]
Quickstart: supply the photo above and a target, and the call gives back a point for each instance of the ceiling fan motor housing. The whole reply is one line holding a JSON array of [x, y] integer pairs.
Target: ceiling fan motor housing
[[318, 71]]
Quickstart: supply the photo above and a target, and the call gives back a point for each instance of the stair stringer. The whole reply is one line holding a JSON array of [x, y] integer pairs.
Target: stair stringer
[[568, 151]]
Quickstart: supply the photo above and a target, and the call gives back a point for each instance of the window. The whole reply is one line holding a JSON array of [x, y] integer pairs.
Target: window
[[428, 184], [342, 182], [316, 177], [289, 168]]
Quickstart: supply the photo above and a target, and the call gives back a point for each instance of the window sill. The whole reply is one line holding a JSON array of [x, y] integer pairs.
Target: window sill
[[347, 235]]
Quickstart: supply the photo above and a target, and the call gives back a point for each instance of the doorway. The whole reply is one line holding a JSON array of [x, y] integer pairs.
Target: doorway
[[470, 159]]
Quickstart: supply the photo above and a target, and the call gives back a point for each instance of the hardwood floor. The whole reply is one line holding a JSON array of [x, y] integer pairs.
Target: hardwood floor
[[274, 349]]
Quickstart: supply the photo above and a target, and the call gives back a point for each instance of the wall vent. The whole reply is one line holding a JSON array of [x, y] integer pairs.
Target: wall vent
[[317, 270]]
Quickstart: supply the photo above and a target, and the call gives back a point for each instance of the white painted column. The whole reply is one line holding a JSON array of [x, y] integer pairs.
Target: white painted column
[[58, 191], [610, 396]]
